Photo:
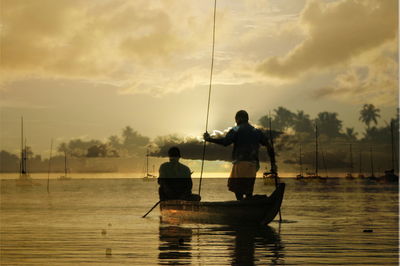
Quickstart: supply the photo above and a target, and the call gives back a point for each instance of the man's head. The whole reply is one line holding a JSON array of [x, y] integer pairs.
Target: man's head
[[241, 117], [174, 153]]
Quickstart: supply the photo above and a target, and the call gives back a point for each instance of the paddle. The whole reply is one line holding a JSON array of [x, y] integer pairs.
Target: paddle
[[155, 205]]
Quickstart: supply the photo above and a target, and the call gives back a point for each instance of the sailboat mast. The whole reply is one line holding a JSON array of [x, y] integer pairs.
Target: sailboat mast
[[392, 142], [301, 162], [351, 159], [324, 162], [360, 172], [21, 165], [147, 162], [372, 162], [316, 149], [65, 163], [25, 168]]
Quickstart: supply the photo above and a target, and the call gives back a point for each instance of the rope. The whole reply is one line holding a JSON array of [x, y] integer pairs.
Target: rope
[[209, 95]]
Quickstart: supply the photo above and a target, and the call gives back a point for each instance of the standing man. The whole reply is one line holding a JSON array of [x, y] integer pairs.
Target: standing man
[[175, 179], [246, 141]]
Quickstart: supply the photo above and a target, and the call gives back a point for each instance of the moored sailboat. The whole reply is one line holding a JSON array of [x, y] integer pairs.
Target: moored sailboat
[[315, 175], [372, 176], [148, 176], [349, 174], [360, 173], [390, 175], [65, 176], [24, 178], [300, 175]]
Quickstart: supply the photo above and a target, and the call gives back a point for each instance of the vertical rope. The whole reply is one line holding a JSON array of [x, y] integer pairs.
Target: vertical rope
[[209, 95]]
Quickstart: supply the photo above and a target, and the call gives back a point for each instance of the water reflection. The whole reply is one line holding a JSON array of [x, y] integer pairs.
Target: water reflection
[[255, 245], [239, 245], [175, 245]]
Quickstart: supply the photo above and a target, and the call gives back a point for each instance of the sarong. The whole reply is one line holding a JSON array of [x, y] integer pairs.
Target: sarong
[[242, 177]]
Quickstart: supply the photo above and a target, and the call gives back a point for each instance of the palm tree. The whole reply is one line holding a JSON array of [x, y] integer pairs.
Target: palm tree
[[369, 114], [132, 141], [329, 124], [302, 122], [283, 118], [350, 134]]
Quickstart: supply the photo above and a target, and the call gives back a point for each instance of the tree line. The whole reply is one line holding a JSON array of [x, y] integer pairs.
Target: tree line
[[296, 128], [331, 126]]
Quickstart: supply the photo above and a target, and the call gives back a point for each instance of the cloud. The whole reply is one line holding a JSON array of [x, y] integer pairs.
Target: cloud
[[192, 148], [116, 42], [376, 82], [155, 47], [336, 32]]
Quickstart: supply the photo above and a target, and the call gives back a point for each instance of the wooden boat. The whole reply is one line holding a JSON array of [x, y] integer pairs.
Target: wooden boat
[[260, 209]]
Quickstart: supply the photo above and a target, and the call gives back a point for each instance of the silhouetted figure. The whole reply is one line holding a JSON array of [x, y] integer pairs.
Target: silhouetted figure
[[175, 179], [246, 141]]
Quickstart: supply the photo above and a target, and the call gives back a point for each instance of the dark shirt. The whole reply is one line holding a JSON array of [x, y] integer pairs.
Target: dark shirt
[[246, 141], [175, 181]]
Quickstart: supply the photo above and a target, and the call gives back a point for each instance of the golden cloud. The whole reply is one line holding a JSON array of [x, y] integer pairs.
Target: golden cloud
[[111, 41], [376, 83], [336, 32]]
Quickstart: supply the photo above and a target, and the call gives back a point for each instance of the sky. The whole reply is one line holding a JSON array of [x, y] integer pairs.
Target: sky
[[86, 69]]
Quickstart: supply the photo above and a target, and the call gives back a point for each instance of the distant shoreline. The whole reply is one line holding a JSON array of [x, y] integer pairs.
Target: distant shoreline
[[139, 175]]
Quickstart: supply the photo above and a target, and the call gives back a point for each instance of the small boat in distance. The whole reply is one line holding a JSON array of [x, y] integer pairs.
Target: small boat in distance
[[349, 174], [360, 173], [24, 177], [372, 176], [65, 176], [315, 175], [324, 163], [148, 176], [300, 175], [390, 175], [260, 209]]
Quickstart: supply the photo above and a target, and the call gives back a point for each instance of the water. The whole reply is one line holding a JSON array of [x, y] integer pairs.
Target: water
[[323, 223]]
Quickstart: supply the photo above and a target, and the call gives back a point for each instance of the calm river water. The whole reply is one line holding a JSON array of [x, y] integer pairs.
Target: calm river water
[[323, 223]]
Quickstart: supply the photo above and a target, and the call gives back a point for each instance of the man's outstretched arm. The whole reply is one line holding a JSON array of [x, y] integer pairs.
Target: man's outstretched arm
[[227, 140]]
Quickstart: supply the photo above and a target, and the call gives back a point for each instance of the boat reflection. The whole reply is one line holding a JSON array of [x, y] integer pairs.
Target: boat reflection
[[175, 245], [256, 246], [225, 245]]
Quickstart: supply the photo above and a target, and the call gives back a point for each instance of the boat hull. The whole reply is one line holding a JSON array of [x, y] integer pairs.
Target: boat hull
[[258, 210]]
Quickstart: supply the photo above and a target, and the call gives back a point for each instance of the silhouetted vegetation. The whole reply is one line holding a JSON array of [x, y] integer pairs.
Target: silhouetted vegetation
[[130, 143], [290, 130]]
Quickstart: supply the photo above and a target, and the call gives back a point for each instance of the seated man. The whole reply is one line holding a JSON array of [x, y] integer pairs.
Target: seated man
[[175, 179]]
